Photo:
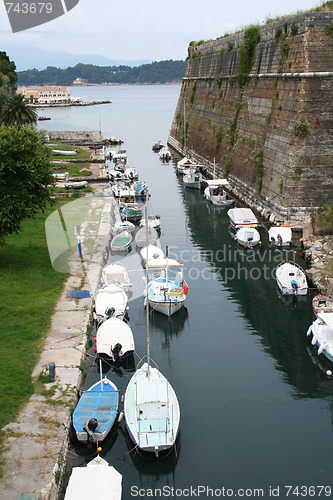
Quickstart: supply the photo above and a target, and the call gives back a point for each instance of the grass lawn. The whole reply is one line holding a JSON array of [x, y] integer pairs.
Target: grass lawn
[[81, 154], [29, 289], [73, 169]]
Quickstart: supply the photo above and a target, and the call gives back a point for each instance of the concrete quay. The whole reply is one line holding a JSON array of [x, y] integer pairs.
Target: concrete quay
[[36, 444]]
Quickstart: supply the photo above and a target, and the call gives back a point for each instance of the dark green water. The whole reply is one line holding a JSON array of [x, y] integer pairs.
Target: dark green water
[[256, 412]]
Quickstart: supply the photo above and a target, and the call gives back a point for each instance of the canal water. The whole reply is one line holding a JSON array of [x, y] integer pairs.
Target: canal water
[[256, 410]]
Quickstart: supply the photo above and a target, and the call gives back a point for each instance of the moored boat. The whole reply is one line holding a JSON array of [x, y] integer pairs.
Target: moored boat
[[280, 236], [216, 194], [121, 242], [114, 340], [322, 304], [322, 334], [248, 237], [116, 274], [291, 279], [151, 252], [193, 179], [133, 214], [110, 301], [145, 234], [96, 412], [83, 480], [242, 217], [153, 221]]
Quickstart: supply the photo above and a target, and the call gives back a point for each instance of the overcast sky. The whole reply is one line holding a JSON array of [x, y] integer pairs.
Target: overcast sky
[[145, 29]]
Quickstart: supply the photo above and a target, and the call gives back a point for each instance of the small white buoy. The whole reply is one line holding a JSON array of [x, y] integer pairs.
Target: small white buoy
[[121, 414], [329, 373]]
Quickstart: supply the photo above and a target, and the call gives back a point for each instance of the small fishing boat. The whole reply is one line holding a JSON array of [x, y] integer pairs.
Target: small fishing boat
[[120, 158], [151, 252], [184, 165], [115, 176], [216, 194], [322, 334], [157, 146], [133, 214], [96, 412], [140, 188], [83, 480], [126, 195], [110, 301], [193, 179], [164, 154], [143, 235], [291, 279], [242, 217], [114, 341], [166, 294], [121, 242], [63, 152], [116, 274], [125, 225], [248, 237], [153, 221], [131, 173], [280, 236], [322, 304]]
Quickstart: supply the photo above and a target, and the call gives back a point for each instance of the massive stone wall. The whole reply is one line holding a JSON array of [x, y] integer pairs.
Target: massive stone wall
[[273, 135]]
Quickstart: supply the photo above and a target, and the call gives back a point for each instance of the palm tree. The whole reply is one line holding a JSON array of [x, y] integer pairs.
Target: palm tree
[[16, 112]]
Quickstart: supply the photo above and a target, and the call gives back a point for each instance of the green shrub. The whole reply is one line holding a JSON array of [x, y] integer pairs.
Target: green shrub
[[294, 29], [329, 29], [301, 128], [247, 55], [278, 34], [227, 167]]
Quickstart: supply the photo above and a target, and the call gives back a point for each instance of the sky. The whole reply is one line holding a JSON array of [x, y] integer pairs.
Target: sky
[[131, 30]]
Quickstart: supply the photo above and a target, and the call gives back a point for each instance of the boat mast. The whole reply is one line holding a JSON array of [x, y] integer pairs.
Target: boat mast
[[147, 303], [184, 128]]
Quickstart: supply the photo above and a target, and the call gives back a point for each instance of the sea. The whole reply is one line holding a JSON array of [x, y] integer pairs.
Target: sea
[[256, 403]]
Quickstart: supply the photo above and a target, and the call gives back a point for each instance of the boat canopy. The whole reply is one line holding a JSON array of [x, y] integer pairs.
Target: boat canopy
[[217, 182]]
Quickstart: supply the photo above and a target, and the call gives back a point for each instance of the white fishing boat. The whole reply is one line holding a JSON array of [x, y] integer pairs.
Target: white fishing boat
[[248, 237], [280, 236], [110, 301], [125, 225], [96, 411], [114, 340], [216, 194], [322, 334], [131, 173], [83, 480], [142, 237], [153, 221], [291, 279], [164, 154], [193, 179], [322, 304], [151, 252], [167, 290], [126, 195], [116, 274], [121, 241], [184, 165], [242, 217], [64, 152], [151, 408]]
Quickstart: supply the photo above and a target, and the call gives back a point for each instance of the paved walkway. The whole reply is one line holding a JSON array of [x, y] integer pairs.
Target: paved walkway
[[36, 444]]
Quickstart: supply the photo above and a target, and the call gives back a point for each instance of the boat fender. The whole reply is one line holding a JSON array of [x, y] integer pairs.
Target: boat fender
[[314, 339], [309, 331], [321, 348], [121, 414], [185, 287]]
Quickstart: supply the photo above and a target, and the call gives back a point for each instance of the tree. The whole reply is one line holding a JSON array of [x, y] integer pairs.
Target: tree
[[25, 177], [17, 112]]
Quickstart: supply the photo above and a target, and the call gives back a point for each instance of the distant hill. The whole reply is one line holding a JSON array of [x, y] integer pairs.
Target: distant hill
[[156, 72]]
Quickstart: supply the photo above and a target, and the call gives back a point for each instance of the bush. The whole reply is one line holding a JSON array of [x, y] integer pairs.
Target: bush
[[301, 128]]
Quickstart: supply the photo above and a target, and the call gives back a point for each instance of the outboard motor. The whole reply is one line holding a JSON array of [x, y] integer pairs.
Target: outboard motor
[[90, 428], [116, 351], [279, 238], [110, 312], [294, 286]]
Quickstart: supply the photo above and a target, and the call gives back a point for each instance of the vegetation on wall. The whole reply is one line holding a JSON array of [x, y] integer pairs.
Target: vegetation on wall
[[301, 128], [227, 167], [259, 168], [247, 55]]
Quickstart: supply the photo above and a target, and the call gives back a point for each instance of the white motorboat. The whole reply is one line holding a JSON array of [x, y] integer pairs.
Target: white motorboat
[[184, 165], [126, 196], [145, 234], [322, 334], [248, 237], [193, 179], [242, 217], [153, 221], [151, 252], [151, 407], [322, 304], [114, 340], [63, 152], [125, 225], [280, 236], [131, 173], [164, 154], [291, 279], [83, 481], [167, 290], [215, 192], [110, 301], [116, 274]]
